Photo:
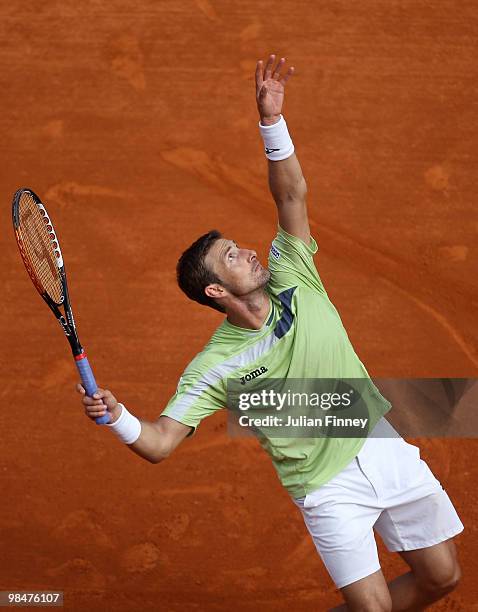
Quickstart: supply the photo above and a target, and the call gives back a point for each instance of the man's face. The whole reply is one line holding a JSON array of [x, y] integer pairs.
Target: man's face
[[239, 269]]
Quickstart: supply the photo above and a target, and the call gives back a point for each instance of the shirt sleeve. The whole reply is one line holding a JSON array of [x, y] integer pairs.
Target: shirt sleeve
[[291, 263], [196, 398]]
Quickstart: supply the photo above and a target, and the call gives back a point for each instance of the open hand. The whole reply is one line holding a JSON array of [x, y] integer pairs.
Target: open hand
[[270, 89]]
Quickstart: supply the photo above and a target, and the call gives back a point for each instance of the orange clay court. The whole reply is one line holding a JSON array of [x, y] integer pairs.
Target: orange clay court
[[136, 123]]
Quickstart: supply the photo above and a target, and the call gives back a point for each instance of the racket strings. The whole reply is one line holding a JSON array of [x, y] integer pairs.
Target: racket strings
[[39, 242]]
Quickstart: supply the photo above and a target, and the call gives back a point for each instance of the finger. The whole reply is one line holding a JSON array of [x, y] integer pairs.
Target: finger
[[276, 73], [289, 73], [96, 414], [95, 410], [268, 70], [89, 401], [92, 400], [259, 79], [80, 389]]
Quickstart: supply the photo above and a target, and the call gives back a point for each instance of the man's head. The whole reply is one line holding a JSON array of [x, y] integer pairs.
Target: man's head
[[214, 270]]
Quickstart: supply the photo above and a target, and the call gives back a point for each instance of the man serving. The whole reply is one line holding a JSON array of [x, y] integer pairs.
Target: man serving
[[280, 324]]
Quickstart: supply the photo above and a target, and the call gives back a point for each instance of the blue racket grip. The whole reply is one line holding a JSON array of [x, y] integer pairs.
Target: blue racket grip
[[89, 382]]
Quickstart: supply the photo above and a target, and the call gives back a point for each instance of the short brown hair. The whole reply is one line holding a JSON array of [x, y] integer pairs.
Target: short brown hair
[[192, 273]]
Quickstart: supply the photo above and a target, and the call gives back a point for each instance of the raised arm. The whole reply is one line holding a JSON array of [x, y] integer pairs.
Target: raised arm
[[286, 181], [153, 441]]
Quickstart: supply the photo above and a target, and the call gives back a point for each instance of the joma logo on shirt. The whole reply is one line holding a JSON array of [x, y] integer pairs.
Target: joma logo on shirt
[[253, 374], [275, 252]]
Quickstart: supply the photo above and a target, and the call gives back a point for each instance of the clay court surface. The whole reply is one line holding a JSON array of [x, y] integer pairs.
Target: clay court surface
[[136, 123]]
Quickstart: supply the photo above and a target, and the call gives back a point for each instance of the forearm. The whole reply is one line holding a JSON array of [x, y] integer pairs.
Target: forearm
[[151, 441], [150, 445], [286, 181], [148, 440]]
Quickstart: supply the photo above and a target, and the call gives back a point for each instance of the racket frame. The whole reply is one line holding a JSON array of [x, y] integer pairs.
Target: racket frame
[[66, 319]]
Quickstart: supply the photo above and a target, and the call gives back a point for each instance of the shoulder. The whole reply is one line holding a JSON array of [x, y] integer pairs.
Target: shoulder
[[285, 244], [207, 364], [291, 263]]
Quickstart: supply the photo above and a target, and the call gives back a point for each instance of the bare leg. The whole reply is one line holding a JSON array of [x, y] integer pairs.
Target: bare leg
[[435, 573], [369, 594]]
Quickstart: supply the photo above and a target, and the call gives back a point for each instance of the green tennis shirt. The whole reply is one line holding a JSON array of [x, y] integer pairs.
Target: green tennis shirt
[[303, 337]]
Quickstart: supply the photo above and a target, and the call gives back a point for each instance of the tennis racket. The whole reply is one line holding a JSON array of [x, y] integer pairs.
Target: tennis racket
[[41, 254]]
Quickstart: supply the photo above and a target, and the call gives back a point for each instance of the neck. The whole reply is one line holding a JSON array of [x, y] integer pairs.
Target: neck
[[251, 312]]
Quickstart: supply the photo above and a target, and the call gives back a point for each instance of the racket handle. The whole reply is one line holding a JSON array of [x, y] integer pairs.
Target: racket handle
[[89, 382]]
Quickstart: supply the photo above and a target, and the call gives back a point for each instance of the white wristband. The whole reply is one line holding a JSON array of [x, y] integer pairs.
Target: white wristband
[[277, 142], [127, 427]]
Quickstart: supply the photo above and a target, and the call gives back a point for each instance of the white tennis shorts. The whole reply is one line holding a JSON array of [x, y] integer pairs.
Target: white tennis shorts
[[387, 487]]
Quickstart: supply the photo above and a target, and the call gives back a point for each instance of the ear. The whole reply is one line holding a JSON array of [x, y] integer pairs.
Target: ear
[[215, 291]]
